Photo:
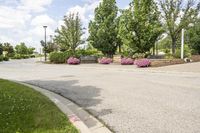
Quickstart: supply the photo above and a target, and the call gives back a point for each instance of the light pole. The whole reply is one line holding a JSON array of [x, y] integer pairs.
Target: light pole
[[182, 44], [45, 42]]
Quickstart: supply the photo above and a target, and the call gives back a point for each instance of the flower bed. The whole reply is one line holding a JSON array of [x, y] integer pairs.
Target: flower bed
[[73, 61], [142, 62], [105, 60], [127, 61]]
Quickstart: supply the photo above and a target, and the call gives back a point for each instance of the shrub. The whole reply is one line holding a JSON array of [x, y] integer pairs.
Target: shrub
[[105, 60], [187, 52], [127, 61], [57, 57], [6, 58], [17, 56], [142, 62], [1, 58], [32, 56], [73, 61]]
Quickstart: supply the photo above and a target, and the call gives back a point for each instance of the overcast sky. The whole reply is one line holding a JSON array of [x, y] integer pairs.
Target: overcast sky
[[22, 20]]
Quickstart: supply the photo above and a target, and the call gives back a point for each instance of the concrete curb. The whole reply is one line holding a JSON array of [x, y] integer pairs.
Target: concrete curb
[[80, 118]]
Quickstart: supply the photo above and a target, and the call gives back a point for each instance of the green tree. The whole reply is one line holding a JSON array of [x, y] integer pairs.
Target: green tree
[[21, 49], [194, 38], [140, 26], [178, 14], [9, 49], [69, 35], [31, 50], [103, 30], [1, 48], [51, 47]]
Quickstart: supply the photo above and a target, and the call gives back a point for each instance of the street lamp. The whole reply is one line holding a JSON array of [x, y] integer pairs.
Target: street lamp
[[182, 44], [45, 42]]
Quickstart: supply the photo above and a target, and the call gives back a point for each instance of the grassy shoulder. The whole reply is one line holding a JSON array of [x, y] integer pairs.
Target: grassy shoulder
[[24, 110]]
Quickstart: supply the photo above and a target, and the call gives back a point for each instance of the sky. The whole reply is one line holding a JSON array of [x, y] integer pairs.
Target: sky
[[23, 20]]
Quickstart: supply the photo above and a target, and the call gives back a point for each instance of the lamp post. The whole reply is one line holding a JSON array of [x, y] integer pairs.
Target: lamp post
[[182, 44], [45, 42]]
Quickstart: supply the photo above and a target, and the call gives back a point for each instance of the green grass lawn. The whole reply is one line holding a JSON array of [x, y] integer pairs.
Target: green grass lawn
[[23, 110]]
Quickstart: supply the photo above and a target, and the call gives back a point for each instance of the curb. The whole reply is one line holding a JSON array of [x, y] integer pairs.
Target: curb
[[80, 118]]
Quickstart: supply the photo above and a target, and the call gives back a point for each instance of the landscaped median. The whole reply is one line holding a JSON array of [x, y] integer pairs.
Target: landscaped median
[[24, 110]]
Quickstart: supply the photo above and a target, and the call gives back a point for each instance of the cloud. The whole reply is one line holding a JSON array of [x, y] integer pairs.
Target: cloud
[[42, 20], [34, 5], [11, 17]]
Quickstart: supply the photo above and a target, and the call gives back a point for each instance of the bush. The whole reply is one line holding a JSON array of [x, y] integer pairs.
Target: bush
[[127, 61], [142, 62], [57, 57], [73, 61], [187, 52], [1, 58], [32, 56], [105, 60], [6, 58], [17, 56]]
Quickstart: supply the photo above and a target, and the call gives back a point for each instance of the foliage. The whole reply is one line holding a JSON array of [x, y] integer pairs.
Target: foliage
[[69, 35], [9, 49], [105, 60], [1, 48], [187, 52], [73, 61], [127, 61], [6, 58], [142, 62], [194, 38], [1, 58], [24, 110], [83, 52], [165, 44], [140, 25], [50, 47], [21, 49], [175, 11], [57, 57], [103, 30]]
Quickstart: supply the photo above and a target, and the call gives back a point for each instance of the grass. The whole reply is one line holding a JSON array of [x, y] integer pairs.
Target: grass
[[24, 110]]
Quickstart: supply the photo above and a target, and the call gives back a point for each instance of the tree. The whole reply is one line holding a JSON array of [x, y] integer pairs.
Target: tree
[[69, 35], [194, 37], [178, 14], [21, 49], [140, 26], [1, 48], [51, 47], [31, 50], [9, 49], [103, 30]]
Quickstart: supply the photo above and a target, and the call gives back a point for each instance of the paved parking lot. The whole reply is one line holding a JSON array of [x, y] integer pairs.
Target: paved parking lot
[[127, 99]]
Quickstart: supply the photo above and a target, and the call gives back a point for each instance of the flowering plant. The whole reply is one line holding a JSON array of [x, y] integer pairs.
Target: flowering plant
[[73, 61], [105, 60], [127, 61], [142, 62]]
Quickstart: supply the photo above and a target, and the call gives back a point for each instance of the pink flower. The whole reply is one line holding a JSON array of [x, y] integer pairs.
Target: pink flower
[[105, 60], [127, 61], [73, 61], [142, 62]]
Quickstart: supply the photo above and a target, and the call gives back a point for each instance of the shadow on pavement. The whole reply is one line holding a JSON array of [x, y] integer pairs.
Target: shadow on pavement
[[84, 96]]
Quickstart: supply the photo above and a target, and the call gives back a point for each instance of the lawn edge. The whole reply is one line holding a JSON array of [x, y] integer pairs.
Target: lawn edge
[[80, 118]]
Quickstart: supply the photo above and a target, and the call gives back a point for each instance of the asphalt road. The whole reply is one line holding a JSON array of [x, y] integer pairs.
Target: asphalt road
[[127, 99]]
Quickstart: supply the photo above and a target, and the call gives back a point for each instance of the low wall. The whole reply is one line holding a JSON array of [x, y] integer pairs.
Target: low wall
[[195, 58], [165, 62]]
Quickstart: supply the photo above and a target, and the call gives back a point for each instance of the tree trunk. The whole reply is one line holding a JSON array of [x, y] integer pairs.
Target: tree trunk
[[173, 46], [120, 49], [154, 49]]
